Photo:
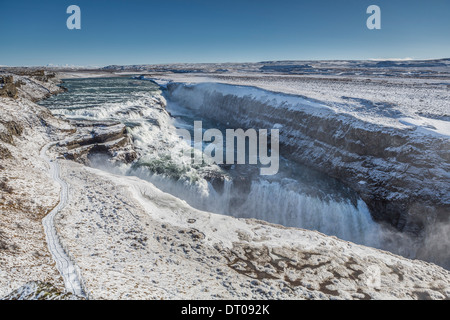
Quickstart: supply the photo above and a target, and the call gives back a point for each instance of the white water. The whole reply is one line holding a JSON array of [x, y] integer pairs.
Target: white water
[[274, 202]]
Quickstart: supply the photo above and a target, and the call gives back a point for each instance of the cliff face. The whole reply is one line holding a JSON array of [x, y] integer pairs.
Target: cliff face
[[399, 172], [98, 137]]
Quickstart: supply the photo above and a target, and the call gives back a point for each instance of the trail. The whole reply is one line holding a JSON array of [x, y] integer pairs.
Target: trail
[[63, 263]]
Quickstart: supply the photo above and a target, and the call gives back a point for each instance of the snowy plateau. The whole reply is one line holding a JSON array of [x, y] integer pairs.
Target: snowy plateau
[[73, 229]]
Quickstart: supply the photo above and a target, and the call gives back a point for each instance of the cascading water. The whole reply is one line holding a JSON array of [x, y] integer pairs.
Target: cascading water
[[295, 197]]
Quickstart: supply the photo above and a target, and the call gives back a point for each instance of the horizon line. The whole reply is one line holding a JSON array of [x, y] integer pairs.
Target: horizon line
[[50, 65]]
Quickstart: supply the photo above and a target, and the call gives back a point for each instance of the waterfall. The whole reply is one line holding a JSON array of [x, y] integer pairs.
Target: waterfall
[[296, 197]]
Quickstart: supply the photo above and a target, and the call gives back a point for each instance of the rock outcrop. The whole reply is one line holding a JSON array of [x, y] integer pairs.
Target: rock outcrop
[[9, 129], [91, 137], [8, 88], [38, 290]]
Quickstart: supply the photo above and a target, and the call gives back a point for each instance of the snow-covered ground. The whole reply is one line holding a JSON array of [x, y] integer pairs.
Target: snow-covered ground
[[27, 195], [380, 101], [130, 240]]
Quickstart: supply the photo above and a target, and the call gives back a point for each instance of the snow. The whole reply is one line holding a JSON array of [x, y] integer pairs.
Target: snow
[[141, 243], [130, 240], [24, 255], [438, 128], [384, 100]]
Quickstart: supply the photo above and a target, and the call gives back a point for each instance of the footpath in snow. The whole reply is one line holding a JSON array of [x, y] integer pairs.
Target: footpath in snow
[[68, 270]]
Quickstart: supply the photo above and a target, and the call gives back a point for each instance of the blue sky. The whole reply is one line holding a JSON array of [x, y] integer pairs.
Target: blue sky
[[166, 31]]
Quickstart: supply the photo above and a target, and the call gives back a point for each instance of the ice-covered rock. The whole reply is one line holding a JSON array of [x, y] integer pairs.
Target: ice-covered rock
[[98, 137]]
